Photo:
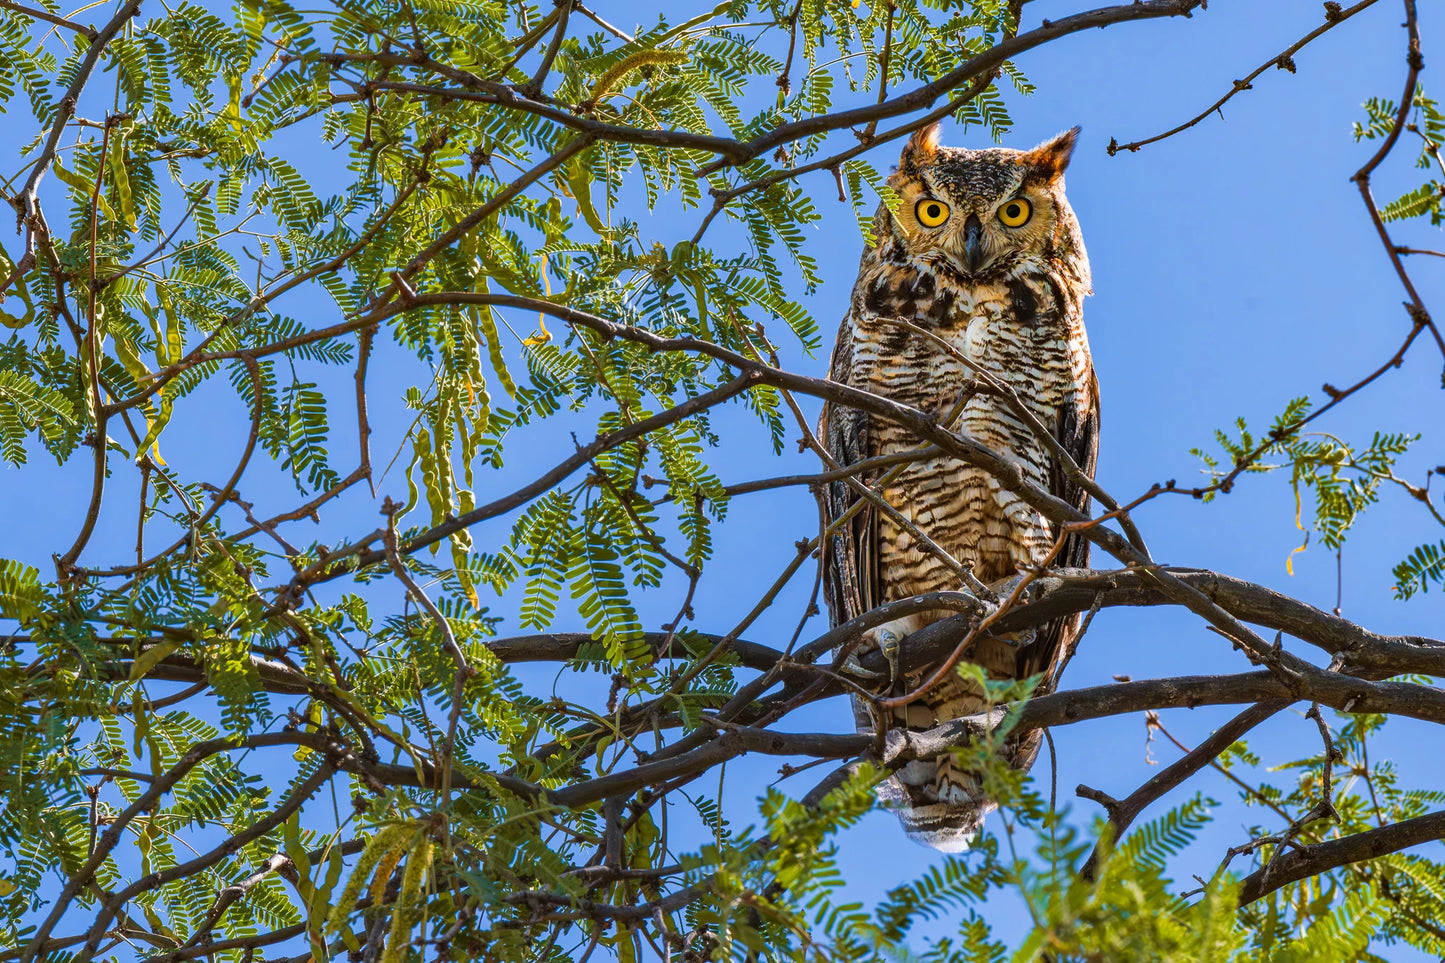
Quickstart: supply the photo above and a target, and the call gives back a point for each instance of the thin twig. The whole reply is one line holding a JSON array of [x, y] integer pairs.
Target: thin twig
[[1123, 812], [40, 14], [533, 87], [464, 671], [625, 38], [1281, 61]]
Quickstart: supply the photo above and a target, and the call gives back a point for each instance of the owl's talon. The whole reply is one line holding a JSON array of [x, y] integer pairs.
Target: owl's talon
[[888, 640], [851, 666], [1005, 587], [890, 643]]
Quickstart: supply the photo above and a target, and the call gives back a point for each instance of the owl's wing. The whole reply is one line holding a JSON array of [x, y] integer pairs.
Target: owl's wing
[[849, 555], [1078, 433]]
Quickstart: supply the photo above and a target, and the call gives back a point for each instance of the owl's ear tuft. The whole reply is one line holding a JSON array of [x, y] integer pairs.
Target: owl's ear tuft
[[1052, 156], [921, 147]]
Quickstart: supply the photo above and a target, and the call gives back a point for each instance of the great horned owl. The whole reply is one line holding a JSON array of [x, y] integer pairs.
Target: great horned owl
[[982, 250]]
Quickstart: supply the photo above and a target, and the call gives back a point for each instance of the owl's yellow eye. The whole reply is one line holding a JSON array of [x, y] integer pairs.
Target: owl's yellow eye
[[1015, 213], [930, 213]]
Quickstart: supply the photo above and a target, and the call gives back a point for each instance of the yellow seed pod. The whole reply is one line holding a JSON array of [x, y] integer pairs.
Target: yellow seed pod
[[410, 902], [383, 852], [615, 74]]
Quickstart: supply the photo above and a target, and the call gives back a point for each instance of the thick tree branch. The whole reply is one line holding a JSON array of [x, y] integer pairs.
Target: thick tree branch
[[923, 97], [41, 14], [1317, 858], [1054, 709]]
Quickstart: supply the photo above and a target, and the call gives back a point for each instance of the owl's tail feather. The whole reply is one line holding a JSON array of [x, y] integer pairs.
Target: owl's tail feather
[[946, 827], [938, 805]]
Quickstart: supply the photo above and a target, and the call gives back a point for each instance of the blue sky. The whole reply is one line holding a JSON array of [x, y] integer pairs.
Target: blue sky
[[1234, 269]]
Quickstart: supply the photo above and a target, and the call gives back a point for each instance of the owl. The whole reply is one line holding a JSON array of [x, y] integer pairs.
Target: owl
[[982, 251]]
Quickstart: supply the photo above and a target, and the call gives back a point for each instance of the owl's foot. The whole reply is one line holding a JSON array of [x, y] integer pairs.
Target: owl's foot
[[888, 639], [1004, 587]]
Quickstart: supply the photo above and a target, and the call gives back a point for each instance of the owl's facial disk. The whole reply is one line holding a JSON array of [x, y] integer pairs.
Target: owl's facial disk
[[980, 211]]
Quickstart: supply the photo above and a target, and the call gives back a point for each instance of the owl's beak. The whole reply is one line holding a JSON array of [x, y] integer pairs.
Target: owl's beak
[[973, 242]]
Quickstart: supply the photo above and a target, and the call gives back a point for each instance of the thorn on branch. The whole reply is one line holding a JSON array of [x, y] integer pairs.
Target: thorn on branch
[[1203, 885], [407, 292]]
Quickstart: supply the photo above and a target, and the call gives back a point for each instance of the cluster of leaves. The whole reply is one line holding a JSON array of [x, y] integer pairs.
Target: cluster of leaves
[[1344, 478], [1428, 124], [1339, 912], [197, 210]]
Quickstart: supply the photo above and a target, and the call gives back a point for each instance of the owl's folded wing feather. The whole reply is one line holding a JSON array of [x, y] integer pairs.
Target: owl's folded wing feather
[[1078, 434], [849, 556]]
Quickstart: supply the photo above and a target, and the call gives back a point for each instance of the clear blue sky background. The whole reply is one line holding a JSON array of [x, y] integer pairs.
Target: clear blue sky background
[[1234, 267]]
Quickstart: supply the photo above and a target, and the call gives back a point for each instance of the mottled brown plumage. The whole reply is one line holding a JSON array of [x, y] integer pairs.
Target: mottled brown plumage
[[982, 250]]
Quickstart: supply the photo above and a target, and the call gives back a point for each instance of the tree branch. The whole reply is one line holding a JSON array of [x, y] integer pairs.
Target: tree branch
[[991, 59], [1282, 61], [1123, 812], [27, 201], [1322, 857], [40, 14]]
